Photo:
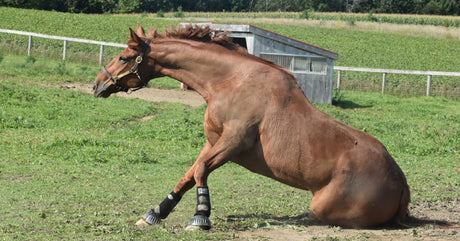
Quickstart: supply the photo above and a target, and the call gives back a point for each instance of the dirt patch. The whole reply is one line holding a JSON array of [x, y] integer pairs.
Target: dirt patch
[[428, 222], [187, 97]]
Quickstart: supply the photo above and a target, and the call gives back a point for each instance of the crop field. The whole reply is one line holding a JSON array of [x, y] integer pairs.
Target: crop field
[[446, 21], [76, 167]]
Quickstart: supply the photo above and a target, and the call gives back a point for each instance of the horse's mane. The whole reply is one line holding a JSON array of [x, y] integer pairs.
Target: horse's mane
[[198, 33], [208, 35]]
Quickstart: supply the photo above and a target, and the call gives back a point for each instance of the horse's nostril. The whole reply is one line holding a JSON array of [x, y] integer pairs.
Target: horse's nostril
[[94, 86]]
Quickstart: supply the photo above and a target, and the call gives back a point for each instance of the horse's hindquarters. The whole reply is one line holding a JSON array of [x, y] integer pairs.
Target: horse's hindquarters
[[361, 192]]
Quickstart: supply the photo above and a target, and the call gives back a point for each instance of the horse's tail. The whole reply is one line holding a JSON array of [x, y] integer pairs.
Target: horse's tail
[[403, 210]]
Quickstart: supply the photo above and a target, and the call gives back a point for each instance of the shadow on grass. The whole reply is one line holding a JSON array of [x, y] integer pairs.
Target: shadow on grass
[[346, 104], [338, 100], [414, 222], [251, 221]]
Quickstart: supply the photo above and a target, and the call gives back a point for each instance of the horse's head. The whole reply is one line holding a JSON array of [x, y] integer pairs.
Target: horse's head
[[128, 70]]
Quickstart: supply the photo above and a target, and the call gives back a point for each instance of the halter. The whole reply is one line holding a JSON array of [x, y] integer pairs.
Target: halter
[[133, 70]]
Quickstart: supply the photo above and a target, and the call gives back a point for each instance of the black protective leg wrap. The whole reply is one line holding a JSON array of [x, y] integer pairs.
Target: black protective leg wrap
[[163, 210], [203, 206], [168, 205]]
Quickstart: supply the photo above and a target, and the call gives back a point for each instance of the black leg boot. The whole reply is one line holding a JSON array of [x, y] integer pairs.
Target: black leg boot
[[203, 210]]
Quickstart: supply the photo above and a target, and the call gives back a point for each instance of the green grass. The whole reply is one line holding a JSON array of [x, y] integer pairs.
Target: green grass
[[356, 48], [378, 50], [48, 70], [385, 51], [108, 28], [76, 167], [446, 21], [45, 69]]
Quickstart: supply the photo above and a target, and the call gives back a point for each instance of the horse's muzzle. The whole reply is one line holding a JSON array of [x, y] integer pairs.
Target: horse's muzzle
[[102, 90]]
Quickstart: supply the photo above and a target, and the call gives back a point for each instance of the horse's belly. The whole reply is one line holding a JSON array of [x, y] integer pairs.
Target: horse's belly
[[280, 170]]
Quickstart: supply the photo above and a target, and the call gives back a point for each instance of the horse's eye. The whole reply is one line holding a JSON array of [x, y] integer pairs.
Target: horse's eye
[[123, 60]]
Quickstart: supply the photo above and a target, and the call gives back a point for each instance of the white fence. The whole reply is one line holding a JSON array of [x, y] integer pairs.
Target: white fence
[[339, 69], [429, 75], [65, 39]]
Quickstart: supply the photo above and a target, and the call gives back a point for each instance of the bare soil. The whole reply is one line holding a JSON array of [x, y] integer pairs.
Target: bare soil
[[427, 222], [187, 97]]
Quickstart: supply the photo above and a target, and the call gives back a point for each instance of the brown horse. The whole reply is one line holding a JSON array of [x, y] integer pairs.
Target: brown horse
[[258, 117]]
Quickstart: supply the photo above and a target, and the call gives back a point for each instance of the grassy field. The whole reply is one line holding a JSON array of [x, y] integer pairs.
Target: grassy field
[[76, 167], [47, 70], [356, 47], [446, 21]]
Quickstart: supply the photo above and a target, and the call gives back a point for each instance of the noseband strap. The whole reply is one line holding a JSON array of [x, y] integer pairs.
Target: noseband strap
[[133, 70]]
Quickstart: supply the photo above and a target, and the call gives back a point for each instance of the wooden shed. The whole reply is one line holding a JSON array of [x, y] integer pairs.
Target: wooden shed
[[312, 66]]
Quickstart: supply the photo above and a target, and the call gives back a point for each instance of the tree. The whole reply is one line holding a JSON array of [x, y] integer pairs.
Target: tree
[[242, 5], [128, 6], [449, 7], [396, 6]]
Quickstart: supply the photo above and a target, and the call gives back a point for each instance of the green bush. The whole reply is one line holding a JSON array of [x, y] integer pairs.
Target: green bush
[[179, 13], [160, 14]]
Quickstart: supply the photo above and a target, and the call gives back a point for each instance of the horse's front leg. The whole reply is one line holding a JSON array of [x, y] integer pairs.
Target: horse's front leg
[[162, 211], [233, 140]]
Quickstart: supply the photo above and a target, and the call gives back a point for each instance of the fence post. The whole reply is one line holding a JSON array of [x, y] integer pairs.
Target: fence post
[[101, 53], [383, 82], [64, 51], [428, 85], [29, 47], [339, 79]]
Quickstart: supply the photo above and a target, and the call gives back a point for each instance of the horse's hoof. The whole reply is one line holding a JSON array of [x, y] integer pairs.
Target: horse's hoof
[[199, 222], [149, 218], [142, 223]]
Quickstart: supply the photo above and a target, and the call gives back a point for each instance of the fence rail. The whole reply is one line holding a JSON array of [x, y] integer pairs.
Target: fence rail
[[339, 69], [65, 39], [429, 74]]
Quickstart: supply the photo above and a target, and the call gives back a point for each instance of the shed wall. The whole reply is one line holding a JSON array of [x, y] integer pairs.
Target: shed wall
[[316, 87]]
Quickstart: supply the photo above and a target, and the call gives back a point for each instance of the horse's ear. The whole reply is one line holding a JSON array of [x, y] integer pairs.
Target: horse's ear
[[135, 42], [155, 34], [140, 31]]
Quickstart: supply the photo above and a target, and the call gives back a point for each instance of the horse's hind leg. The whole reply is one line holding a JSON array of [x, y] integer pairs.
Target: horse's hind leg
[[351, 201]]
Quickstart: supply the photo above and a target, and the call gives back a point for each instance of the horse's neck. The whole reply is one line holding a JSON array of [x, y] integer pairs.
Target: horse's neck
[[196, 67]]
